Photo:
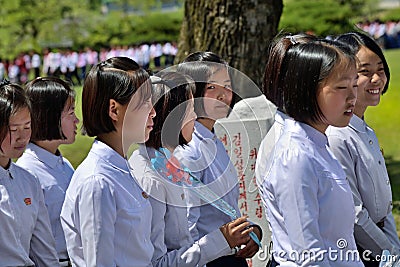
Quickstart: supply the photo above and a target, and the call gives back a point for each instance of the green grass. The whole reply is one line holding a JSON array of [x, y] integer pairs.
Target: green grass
[[385, 120]]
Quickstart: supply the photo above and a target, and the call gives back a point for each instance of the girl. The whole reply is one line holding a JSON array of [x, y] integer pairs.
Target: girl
[[53, 123], [205, 154], [173, 127], [304, 187], [106, 217], [356, 147], [26, 238]]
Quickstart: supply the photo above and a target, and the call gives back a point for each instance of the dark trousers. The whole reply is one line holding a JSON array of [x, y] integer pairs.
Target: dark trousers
[[228, 261], [272, 262]]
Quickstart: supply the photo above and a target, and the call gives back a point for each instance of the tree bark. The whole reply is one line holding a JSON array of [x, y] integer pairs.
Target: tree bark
[[240, 31]]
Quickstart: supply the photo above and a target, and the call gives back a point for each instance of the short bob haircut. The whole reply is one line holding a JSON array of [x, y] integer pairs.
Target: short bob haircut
[[356, 40], [12, 99], [117, 78], [200, 71], [274, 69], [49, 96], [308, 67], [170, 94]]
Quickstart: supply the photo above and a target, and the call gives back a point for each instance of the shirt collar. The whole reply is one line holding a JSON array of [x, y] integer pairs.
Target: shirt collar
[[147, 152], [6, 173], [44, 156], [203, 132], [358, 124], [109, 155], [311, 133]]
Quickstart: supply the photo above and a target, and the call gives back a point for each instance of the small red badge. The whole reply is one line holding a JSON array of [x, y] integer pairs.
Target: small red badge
[[27, 201]]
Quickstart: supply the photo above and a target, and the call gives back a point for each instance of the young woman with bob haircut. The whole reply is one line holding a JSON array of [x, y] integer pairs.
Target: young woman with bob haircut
[[53, 123], [304, 187], [106, 216]]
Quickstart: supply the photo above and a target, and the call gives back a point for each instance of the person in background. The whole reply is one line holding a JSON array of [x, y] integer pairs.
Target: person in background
[[25, 231], [357, 148], [173, 127], [53, 123], [106, 216], [205, 154]]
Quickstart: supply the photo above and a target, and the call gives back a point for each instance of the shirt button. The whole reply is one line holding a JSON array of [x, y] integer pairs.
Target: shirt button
[[387, 182], [371, 142], [379, 162]]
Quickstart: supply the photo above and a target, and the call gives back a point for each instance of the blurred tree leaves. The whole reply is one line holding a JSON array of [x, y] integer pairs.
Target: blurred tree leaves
[[322, 17], [35, 24]]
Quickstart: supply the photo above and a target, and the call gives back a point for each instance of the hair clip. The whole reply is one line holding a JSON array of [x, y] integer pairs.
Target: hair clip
[[102, 64], [292, 39], [4, 82]]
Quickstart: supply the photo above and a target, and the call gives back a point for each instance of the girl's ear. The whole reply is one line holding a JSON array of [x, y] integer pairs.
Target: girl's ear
[[113, 109]]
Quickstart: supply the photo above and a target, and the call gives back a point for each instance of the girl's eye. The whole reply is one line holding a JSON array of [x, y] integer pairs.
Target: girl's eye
[[363, 71], [211, 87], [13, 130]]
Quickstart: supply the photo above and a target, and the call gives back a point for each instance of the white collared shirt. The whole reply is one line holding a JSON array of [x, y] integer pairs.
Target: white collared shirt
[[173, 244], [25, 231], [54, 173], [106, 217], [356, 147], [308, 200], [206, 157]]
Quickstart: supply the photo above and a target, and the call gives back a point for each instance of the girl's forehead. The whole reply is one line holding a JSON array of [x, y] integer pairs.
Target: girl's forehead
[[20, 116]]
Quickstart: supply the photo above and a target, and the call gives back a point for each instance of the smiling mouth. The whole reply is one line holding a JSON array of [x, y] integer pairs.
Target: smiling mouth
[[373, 91]]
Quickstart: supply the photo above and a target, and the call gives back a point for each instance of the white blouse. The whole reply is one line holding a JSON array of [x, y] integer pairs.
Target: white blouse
[[173, 244], [54, 173], [106, 216], [308, 201], [25, 232], [356, 147]]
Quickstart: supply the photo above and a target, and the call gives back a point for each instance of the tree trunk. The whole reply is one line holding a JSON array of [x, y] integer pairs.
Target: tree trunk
[[240, 31]]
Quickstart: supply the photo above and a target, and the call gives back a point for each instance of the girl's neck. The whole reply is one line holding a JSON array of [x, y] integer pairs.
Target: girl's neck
[[208, 123], [359, 111], [319, 126], [113, 140], [51, 146], [5, 162]]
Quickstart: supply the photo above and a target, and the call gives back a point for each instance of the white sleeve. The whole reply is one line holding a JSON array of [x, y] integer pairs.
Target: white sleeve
[[97, 210], [194, 203], [208, 248], [43, 251], [298, 202]]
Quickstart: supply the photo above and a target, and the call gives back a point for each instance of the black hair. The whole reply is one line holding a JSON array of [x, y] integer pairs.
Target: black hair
[[275, 68], [12, 99], [308, 65], [200, 66], [49, 96], [170, 95], [355, 40], [116, 78]]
